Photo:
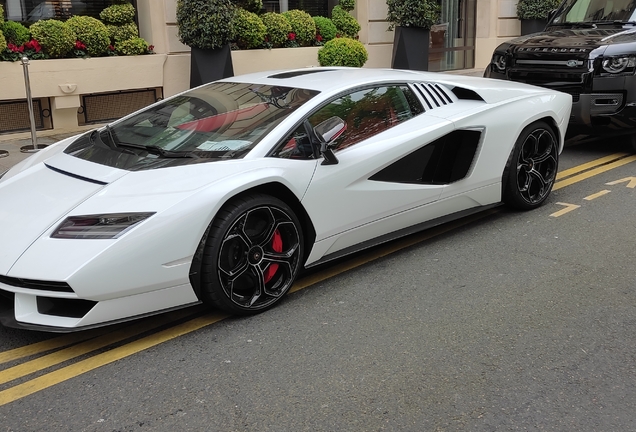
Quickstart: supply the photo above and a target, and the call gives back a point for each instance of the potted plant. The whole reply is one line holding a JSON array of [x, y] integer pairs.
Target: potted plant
[[412, 21], [206, 26], [534, 14]]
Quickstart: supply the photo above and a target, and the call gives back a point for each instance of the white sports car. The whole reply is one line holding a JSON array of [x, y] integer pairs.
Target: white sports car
[[223, 193]]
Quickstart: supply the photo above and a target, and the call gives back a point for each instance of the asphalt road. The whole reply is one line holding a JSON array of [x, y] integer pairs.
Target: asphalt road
[[504, 321]]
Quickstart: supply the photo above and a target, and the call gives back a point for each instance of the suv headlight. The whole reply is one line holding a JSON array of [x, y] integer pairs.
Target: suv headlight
[[619, 65], [500, 62]]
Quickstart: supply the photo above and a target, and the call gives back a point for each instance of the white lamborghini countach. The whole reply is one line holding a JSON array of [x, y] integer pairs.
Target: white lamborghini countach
[[224, 193]]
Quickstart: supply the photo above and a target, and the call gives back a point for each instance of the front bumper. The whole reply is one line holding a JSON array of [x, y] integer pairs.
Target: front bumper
[[600, 105]]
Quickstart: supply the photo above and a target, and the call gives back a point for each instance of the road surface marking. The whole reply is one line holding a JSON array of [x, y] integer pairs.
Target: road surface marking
[[568, 208], [596, 195], [586, 166], [631, 182], [591, 173]]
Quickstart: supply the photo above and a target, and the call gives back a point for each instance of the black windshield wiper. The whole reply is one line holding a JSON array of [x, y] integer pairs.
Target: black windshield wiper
[[96, 137], [160, 151]]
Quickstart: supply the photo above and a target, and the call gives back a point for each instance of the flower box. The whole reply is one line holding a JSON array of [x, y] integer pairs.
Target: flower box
[[64, 77]]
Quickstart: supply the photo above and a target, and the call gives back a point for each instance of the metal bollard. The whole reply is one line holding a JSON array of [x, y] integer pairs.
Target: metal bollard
[[27, 84]]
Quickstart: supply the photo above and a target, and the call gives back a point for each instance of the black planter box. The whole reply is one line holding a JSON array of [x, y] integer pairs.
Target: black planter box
[[532, 26], [410, 48], [207, 65]]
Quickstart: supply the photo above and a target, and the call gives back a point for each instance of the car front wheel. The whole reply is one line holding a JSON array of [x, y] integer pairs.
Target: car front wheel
[[532, 167], [252, 254]]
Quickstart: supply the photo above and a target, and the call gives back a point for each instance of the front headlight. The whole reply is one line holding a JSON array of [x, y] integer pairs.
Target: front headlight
[[500, 62], [99, 226], [617, 65]]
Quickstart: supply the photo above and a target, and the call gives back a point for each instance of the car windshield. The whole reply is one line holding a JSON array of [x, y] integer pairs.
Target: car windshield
[[595, 11], [220, 120]]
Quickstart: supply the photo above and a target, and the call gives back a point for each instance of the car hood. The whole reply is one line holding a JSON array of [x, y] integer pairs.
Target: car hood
[[572, 42], [37, 199], [32, 202]]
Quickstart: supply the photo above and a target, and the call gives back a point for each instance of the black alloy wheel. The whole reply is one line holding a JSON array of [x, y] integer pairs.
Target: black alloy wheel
[[531, 170], [252, 255]]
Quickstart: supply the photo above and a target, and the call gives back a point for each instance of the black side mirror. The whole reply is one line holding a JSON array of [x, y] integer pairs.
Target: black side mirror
[[328, 131]]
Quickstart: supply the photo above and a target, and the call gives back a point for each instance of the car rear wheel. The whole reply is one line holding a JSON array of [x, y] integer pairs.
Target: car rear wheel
[[532, 167], [252, 254]]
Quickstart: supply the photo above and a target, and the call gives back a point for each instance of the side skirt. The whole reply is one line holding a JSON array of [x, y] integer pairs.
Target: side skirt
[[402, 233]]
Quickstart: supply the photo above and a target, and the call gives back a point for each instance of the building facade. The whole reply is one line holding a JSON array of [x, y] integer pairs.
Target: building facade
[[74, 93]]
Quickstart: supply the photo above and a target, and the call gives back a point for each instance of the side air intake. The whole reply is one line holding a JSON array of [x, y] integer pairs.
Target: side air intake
[[435, 95]]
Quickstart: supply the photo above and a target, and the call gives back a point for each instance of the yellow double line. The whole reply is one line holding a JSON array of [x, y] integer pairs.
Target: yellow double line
[[68, 347], [591, 169]]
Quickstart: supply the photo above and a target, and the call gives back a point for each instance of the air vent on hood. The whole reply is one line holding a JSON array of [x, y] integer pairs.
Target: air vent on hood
[[434, 95]]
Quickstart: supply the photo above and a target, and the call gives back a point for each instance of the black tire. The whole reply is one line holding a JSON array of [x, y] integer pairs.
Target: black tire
[[532, 167], [252, 255]]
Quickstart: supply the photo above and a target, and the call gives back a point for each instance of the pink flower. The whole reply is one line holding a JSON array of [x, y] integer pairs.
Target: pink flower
[[318, 38], [151, 47], [291, 36], [111, 48], [12, 47], [79, 45]]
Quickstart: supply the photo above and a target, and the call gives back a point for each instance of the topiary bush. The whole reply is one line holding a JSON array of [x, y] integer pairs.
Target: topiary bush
[[92, 32], [346, 24], [348, 5], [277, 27], [3, 42], [412, 13], [205, 24], [535, 9], [1, 14], [302, 25], [250, 5], [325, 28], [249, 29], [15, 33], [129, 47], [343, 52], [56, 37], [119, 33], [118, 14]]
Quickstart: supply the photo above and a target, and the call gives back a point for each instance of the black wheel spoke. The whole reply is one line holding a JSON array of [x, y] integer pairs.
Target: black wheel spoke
[[536, 166], [259, 257]]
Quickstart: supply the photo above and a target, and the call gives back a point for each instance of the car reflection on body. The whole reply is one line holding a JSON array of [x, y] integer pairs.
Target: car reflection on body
[[223, 193]]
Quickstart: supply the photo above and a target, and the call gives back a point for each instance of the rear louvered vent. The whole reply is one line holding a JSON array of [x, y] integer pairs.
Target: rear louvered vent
[[434, 95]]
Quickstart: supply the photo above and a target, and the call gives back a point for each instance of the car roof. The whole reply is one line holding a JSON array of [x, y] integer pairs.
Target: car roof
[[330, 78]]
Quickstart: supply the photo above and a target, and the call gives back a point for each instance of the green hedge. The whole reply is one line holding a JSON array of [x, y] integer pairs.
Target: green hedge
[[412, 13], [346, 24], [120, 33], [129, 47], [343, 52], [302, 25], [278, 28], [250, 30], [536, 9], [56, 37], [205, 24], [3, 42], [118, 14], [92, 32], [15, 33], [325, 28]]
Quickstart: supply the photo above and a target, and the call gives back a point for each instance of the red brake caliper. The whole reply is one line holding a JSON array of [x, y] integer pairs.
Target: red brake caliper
[[277, 246]]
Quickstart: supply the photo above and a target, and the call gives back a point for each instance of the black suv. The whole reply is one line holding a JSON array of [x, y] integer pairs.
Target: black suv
[[588, 49]]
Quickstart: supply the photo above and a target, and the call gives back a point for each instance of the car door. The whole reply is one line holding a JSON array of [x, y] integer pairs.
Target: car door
[[367, 194]]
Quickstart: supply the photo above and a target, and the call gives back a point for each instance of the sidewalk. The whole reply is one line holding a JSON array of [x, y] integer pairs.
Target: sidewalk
[[13, 142]]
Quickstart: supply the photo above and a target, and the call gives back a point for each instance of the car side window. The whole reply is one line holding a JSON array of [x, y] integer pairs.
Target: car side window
[[297, 145], [368, 112]]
